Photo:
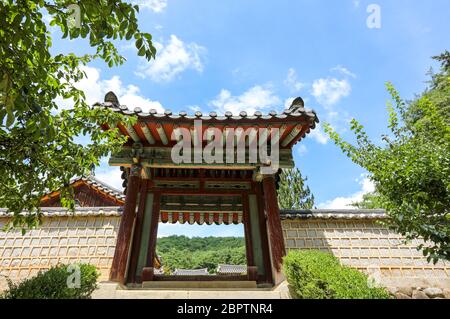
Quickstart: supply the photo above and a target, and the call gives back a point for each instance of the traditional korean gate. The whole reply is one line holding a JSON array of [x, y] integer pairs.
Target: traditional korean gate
[[160, 190], [198, 198]]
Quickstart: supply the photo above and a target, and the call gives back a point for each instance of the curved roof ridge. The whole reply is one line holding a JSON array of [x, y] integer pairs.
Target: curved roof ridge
[[295, 110], [95, 182], [333, 214]]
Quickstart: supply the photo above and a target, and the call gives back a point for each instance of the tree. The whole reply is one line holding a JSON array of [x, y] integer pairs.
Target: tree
[[293, 192], [369, 201], [411, 171], [38, 142], [196, 253]]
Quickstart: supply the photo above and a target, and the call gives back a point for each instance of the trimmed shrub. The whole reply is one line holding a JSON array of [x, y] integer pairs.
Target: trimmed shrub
[[319, 275], [53, 284]]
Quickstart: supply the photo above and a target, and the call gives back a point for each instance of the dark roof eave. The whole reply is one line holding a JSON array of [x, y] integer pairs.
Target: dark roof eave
[[243, 116], [333, 214]]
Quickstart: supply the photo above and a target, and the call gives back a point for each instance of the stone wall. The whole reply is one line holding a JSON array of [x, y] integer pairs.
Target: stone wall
[[87, 239], [367, 245], [90, 237]]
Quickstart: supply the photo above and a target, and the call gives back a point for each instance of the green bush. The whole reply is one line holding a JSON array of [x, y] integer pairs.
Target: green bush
[[53, 284], [319, 275]]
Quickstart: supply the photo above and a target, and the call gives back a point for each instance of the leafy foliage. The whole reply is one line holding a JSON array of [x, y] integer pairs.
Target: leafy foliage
[[318, 275], [369, 201], [196, 253], [412, 170], [292, 191], [38, 142], [52, 284]]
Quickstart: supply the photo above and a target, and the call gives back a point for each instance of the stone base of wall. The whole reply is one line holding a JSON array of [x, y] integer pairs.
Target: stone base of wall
[[420, 293]]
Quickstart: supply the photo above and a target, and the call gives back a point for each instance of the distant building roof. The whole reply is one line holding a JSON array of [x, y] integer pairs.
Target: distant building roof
[[231, 269], [89, 192], [191, 272]]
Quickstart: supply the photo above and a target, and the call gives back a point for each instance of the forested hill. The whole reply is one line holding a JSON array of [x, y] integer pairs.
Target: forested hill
[[198, 243], [200, 252]]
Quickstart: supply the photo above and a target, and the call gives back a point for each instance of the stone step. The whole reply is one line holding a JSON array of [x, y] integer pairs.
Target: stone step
[[107, 290], [199, 284]]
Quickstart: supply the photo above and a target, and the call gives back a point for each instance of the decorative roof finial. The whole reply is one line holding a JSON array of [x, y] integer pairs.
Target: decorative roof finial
[[112, 98], [297, 103]]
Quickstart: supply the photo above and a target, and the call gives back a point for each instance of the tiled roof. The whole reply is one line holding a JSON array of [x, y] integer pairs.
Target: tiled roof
[[191, 272], [168, 115], [231, 269], [333, 214], [158, 271], [284, 214], [102, 186], [79, 211]]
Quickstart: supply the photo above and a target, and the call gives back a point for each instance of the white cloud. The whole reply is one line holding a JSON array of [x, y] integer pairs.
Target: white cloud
[[257, 98], [194, 108], [95, 89], [111, 176], [154, 5], [344, 71], [329, 91], [367, 186], [292, 82], [172, 59], [319, 135]]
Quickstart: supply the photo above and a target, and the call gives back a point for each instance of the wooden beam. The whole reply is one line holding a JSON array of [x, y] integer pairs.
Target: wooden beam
[[153, 233], [162, 134], [263, 235], [133, 133], [282, 130], [275, 230], [247, 231], [203, 192], [292, 135], [148, 135], [136, 245], [124, 236]]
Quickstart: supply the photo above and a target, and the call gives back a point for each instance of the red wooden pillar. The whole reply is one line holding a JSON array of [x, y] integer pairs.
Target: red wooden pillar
[[148, 271], [252, 271], [137, 233], [275, 232], [120, 261]]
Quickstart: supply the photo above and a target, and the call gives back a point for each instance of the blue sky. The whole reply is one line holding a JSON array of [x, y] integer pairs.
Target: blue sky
[[248, 55]]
